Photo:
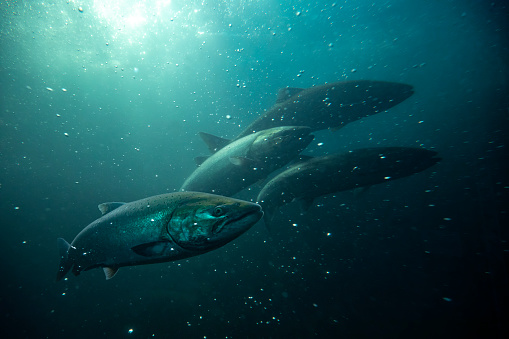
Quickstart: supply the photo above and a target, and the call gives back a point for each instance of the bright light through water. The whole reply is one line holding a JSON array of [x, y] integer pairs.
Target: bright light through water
[[122, 14], [132, 17], [127, 33]]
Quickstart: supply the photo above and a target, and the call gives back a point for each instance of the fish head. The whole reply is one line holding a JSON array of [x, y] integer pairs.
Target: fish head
[[361, 98], [382, 95], [281, 142], [208, 221], [414, 160], [392, 162]]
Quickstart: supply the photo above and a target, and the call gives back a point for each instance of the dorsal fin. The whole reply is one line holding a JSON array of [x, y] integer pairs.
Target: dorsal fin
[[107, 207], [214, 143], [286, 93]]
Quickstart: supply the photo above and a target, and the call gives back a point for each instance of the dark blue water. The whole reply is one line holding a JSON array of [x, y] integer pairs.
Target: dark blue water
[[105, 104]]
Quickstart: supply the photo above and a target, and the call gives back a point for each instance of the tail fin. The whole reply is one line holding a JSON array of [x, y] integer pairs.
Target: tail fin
[[65, 262]]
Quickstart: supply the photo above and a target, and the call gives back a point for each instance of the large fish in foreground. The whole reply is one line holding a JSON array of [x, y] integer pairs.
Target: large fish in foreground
[[157, 229], [248, 160], [327, 106], [319, 176]]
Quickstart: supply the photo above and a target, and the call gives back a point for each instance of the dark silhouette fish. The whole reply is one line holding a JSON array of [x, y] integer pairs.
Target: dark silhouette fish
[[157, 229], [319, 176], [248, 160], [327, 106]]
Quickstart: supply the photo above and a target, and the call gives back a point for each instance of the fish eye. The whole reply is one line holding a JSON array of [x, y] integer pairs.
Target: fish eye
[[218, 211]]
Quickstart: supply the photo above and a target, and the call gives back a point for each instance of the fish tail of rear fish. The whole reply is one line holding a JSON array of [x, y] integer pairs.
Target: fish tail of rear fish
[[65, 262]]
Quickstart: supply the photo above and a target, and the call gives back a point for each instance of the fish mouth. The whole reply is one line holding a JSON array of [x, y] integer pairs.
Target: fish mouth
[[255, 211], [250, 216]]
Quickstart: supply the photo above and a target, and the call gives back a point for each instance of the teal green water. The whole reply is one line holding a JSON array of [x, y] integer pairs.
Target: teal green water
[[102, 101]]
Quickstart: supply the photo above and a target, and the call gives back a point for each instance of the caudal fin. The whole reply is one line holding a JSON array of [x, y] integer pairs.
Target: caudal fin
[[65, 262]]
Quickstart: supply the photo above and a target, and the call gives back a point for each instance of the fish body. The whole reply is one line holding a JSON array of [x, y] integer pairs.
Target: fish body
[[331, 105], [324, 175], [247, 160], [156, 229]]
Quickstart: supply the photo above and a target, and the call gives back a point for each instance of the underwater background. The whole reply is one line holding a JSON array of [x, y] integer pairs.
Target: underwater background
[[103, 101]]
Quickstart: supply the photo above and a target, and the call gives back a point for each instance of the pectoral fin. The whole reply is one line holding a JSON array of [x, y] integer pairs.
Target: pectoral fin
[[269, 210], [110, 272], [242, 161], [268, 215], [153, 249]]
